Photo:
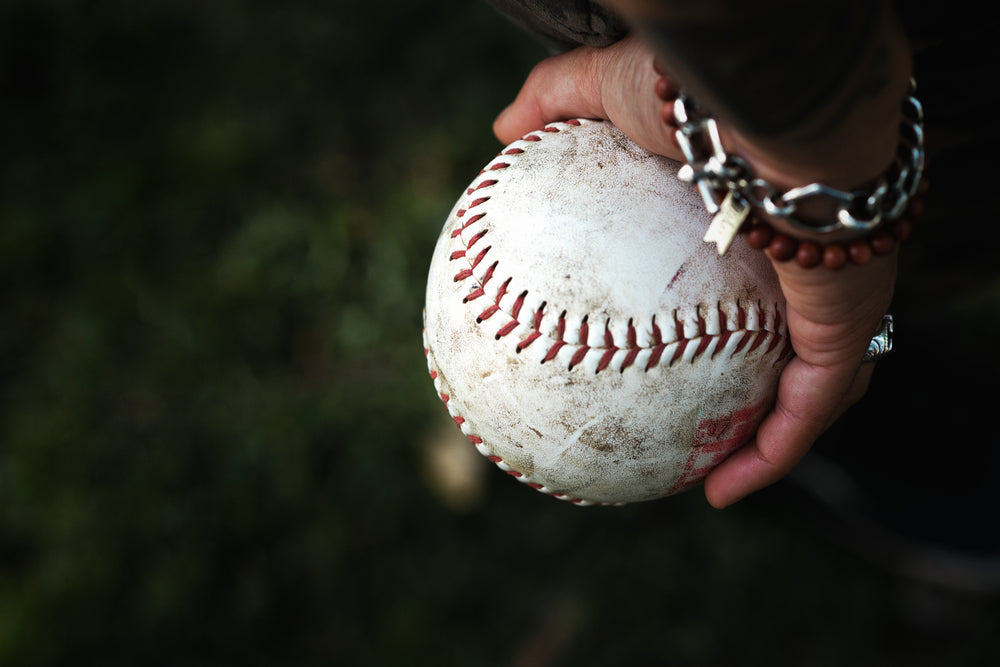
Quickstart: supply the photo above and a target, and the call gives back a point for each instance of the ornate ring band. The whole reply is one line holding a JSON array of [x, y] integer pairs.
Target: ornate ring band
[[881, 345]]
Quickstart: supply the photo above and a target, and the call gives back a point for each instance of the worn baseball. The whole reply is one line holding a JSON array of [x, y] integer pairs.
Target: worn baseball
[[582, 334]]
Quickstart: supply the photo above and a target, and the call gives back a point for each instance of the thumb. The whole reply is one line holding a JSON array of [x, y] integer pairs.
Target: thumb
[[558, 88]]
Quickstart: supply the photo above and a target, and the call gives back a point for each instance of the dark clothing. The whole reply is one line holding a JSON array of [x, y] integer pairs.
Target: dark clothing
[[564, 24]]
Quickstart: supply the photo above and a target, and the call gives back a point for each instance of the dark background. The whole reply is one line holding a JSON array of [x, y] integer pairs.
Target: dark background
[[218, 441]]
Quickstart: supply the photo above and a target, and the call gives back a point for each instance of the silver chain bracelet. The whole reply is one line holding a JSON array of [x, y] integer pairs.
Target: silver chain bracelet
[[730, 188]]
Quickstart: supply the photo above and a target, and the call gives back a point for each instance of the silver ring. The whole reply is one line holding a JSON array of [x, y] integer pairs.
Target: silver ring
[[881, 344]]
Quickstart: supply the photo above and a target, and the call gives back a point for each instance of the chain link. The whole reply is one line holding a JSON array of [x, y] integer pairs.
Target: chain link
[[717, 173]]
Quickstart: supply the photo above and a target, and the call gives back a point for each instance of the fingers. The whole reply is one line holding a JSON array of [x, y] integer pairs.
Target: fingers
[[810, 398], [558, 88], [616, 83]]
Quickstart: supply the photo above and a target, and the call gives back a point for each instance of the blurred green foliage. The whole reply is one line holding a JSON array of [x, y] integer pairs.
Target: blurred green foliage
[[215, 220]]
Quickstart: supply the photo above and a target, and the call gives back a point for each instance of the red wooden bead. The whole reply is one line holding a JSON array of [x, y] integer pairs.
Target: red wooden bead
[[667, 114], [882, 242], [859, 251], [665, 88], [808, 255], [782, 247], [759, 236], [901, 229], [834, 257]]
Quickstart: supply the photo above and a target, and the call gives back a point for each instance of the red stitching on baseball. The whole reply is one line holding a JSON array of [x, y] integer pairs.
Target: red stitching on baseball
[[480, 256], [610, 348], [578, 357], [475, 238], [506, 329], [679, 352], [482, 184], [535, 334], [703, 344], [658, 347], [723, 341], [560, 333], [761, 337], [702, 340], [486, 314], [474, 219]]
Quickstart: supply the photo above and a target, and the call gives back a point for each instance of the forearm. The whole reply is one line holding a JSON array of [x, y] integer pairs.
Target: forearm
[[808, 97]]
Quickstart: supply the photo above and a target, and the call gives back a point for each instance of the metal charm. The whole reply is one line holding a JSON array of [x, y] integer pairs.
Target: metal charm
[[727, 222]]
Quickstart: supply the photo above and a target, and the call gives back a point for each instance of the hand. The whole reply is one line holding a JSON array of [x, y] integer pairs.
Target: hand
[[602, 83], [832, 315]]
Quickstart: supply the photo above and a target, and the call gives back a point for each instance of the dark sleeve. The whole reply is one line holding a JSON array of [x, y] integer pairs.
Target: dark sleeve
[[564, 24]]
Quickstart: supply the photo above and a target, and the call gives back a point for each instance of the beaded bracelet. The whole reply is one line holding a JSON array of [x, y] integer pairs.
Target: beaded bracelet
[[808, 254]]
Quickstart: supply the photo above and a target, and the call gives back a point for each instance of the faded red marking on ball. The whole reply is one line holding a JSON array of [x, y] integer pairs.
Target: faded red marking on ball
[[677, 276], [715, 439]]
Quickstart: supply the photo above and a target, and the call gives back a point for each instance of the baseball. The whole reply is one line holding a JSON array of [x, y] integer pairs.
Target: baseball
[[582, 334]]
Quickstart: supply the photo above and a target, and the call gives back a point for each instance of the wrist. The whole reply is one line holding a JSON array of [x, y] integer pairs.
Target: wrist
[[815, 223]]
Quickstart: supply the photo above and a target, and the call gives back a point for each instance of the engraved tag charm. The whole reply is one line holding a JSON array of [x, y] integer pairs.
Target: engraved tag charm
[[727, 222]]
